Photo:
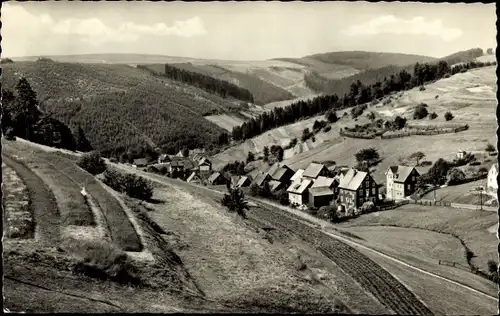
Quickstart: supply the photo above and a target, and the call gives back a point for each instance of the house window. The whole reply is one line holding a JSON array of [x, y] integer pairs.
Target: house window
[[373, 191], [367, 192], [413, 178], [408, 187]]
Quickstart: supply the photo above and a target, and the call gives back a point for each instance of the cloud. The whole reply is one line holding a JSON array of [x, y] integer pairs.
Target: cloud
[[389, 24], [21, 26]]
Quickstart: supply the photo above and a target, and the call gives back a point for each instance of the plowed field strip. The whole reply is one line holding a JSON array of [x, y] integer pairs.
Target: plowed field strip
[[43, 204], [389, 291]]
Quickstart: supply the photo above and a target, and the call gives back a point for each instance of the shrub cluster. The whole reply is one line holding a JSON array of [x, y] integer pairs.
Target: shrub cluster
[[92, 163], [134, 186]]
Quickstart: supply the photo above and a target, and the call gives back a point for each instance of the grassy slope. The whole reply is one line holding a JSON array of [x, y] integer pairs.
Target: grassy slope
[[469, 225], [103, 98]]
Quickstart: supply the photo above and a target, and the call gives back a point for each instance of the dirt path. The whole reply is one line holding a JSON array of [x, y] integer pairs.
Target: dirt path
[[42, 204]]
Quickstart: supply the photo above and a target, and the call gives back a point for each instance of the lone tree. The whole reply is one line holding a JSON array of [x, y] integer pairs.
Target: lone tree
[[367, 154], [266, 152], [417, 156], [235, 202], [399, 122], [250, 157], [306, 134], [448, 116], [371, 116], [420, 112], [490, 148]]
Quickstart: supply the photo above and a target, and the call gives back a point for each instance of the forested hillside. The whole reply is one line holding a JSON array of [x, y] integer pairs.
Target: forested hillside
[[359, 93], [320, 84], [207, 83], [262, 92], [121, 108]]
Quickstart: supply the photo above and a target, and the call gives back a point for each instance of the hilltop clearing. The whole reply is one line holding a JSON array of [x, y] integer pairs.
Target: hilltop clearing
[[119, 106], [470, 96]]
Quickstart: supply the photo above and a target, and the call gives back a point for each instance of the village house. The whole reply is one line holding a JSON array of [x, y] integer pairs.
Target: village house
[[194, 178], [261, 178], [297, 192], [217, 179], [492, 184], [141, 162], [314, 170], [163, 158], [356, 188], [243, 182], [461, 154], [401, 181], [297, 176], [205, 165], [320, 196], [234, 180], [275, 186], [282, 173]]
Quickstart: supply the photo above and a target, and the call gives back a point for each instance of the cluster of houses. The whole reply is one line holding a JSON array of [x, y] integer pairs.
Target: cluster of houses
[[315, 186]]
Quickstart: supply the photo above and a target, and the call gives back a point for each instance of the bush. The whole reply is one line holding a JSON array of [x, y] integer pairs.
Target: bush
[[331, 116], [250, 157], [9, 134], [420, 112], [358, 110], [326, 129], [368, 207], [448, 116], [455, 176], [367, 154], [490, 148], [292, 143], [92, 163], [399, 122], [318, 125], [328, 213], [134, 186], [433, 115], [254, 190], [422, 88], [282, 196], [306, 134]]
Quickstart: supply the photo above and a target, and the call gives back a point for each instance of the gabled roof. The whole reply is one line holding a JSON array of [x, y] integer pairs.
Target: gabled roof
[[140, 162], [320, 191], [242, 181], [164, 157], [188, 164], [214, 176], [401, 173], [261, 177], [313, 170], [204, 160], [352, 180], [280, 174], [298, 175], [323, 182], [299, 187], [235, 180], [192, 177], [274, 185]]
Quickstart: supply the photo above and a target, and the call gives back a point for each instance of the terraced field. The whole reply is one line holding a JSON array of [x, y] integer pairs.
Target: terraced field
[[67, 206]]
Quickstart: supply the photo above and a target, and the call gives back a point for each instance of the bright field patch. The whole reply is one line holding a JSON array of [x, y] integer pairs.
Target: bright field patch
[[469, 225]]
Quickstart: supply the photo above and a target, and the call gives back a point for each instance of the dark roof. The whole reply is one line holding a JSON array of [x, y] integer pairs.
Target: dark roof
[[274, 185], [242, 181], [261, 177], [215, 176]]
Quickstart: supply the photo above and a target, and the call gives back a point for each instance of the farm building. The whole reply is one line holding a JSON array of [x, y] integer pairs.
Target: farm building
[[401, 181], [217, 179], [194, 178], [275, 185], [234, 180], [314, 170], [324, 182], [297, 192], [163, 158], [261, 178], [297, 176], [492, 184], [320, 196], [461, 154], [357, 187], [205, 165], [243, 182], [282, 173], [141, 162]]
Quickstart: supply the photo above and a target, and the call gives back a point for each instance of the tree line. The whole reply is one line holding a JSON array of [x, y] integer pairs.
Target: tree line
[[23, 117], [210, 84], [358, 94]]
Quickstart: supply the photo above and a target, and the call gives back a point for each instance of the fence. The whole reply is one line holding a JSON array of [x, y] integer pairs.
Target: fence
[[356, 135], [393, 206], [426, 132], [430, 202], [457, 265]]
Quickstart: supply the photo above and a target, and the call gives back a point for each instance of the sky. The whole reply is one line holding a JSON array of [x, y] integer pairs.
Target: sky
[[243, 30]]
